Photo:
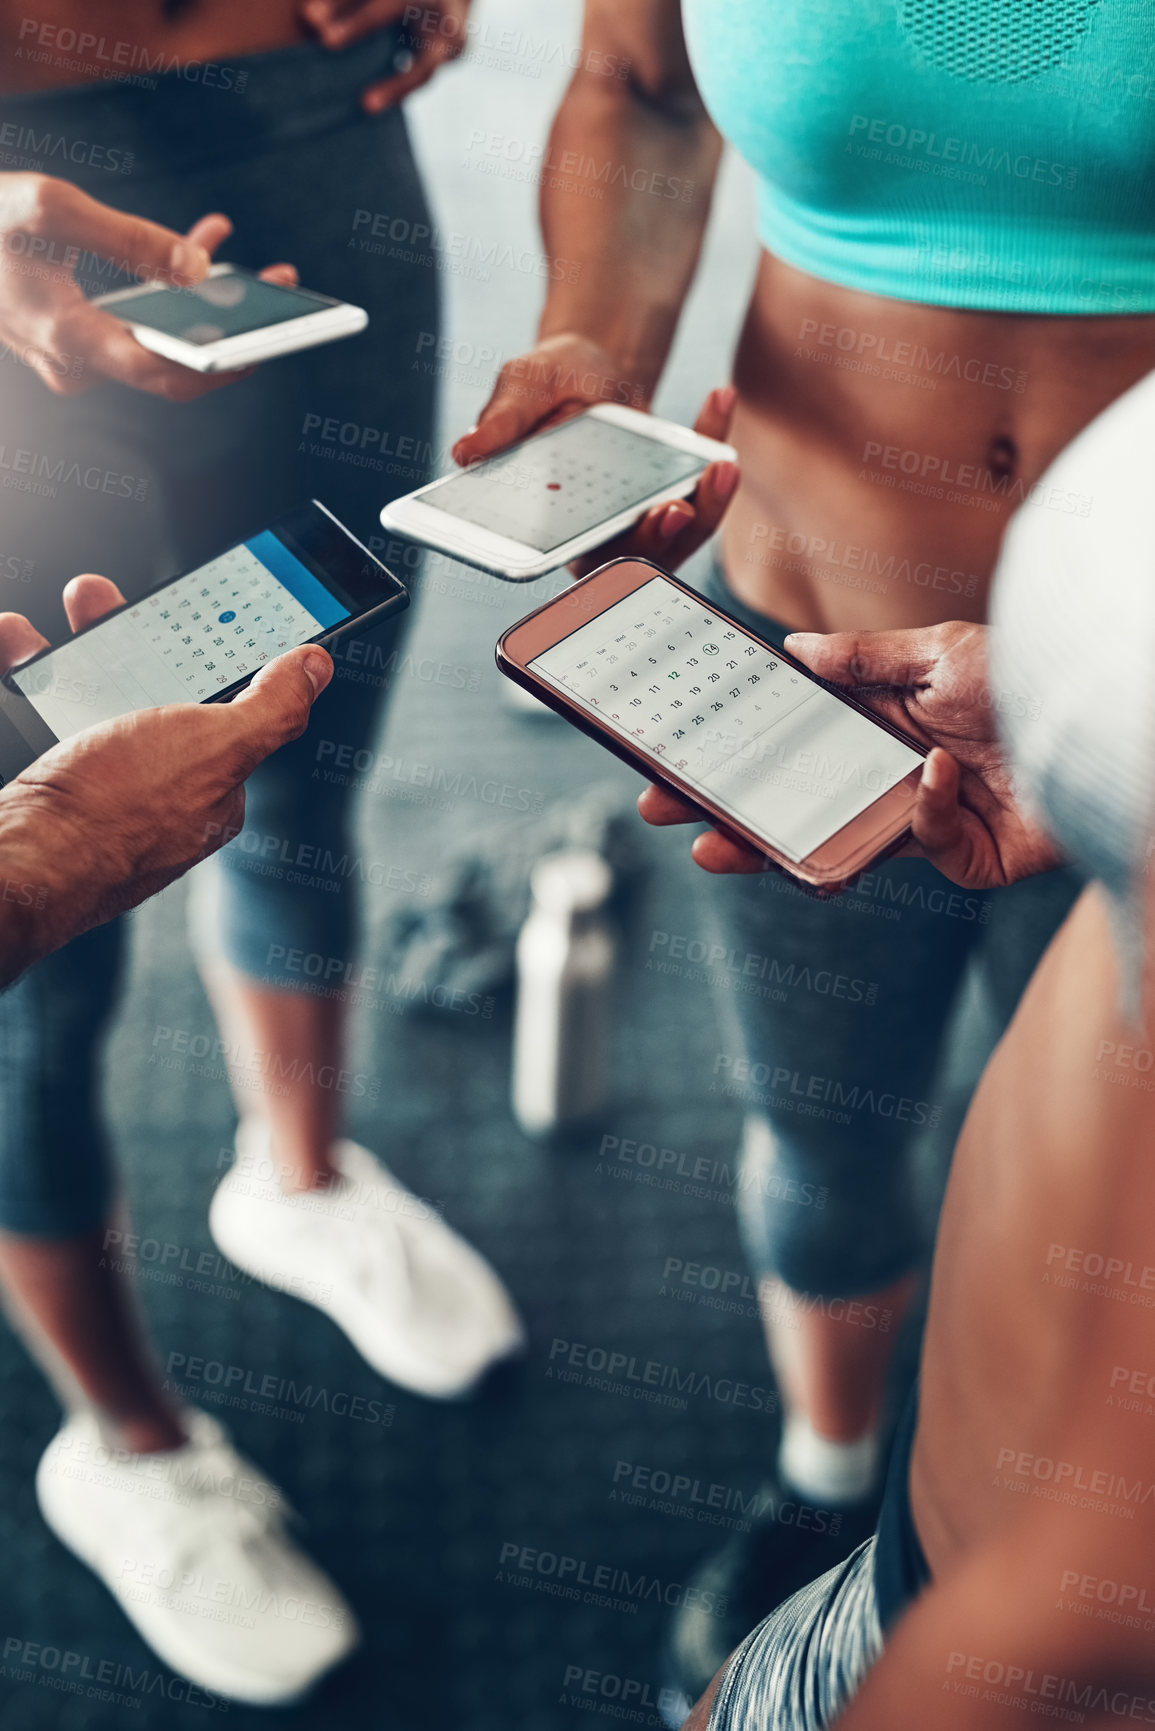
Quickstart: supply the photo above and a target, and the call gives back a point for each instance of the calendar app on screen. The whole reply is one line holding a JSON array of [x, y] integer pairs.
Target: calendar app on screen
[[563, 483], [760, 740], [206, 631]]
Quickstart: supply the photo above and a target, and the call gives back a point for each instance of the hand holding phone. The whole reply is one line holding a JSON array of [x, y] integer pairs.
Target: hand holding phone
[[797, 774], [932, 682], [201, 637], [116, 813], [568, 373], [231, 319], [570, 489], [47, 321]]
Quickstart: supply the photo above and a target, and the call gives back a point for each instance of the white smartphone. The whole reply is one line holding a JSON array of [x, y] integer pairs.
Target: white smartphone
[[231, 319], [557, 495]]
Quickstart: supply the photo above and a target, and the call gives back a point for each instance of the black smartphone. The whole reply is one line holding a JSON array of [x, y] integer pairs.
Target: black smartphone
[[200, 637]]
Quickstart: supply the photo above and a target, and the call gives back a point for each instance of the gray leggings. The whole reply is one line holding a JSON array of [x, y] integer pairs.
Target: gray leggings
[[834, 1014], [797, 1670], [148, 488]]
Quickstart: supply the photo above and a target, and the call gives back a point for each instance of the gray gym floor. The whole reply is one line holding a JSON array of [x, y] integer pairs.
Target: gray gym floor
[[426, 1520]]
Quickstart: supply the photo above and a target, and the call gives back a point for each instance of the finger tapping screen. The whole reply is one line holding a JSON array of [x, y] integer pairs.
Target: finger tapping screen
[[562, 483], [219, 307], [193, 637], [740, 725]]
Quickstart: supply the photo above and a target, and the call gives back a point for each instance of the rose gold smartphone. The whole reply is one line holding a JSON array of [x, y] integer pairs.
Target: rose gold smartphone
[[676, 687]]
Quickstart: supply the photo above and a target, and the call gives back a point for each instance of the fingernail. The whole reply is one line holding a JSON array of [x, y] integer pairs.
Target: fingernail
[[725, 397], [672, 521], [188, 260], [725, 480], [318, 671]]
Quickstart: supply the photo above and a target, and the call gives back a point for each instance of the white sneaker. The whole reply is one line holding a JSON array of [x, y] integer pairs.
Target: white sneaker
[[192, 1544], [420, 1305]]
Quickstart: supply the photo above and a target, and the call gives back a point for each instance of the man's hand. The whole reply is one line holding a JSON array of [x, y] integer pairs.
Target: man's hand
[[565, 375], [933, 683], [437, 28], [107, 818], [47, 226]]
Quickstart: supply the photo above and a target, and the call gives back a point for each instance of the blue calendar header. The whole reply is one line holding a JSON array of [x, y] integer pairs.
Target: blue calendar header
[[297, 578]]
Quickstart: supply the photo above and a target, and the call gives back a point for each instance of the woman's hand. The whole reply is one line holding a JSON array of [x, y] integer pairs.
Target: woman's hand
[[46, 227], [933, 682], [567, 374], [437, 29]]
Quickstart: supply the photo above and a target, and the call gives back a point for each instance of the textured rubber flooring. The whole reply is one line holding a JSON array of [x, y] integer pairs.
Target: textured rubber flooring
[[440, 1523]]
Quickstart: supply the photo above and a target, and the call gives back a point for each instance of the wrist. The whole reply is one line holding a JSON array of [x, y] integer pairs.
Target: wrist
[[619, 357], [43, 899]]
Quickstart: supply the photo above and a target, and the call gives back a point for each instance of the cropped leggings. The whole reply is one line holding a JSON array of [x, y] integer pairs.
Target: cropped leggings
[[140, 489], [835, 1014]]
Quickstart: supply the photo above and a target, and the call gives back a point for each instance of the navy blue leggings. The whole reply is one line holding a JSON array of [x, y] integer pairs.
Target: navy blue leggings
[[834, 1014], [140, 489]]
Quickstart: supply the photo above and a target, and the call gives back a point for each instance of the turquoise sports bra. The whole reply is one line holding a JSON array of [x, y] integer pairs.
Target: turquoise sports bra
[[994, 154]]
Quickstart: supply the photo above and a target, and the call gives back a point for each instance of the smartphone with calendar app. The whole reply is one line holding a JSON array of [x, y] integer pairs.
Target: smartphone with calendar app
[[558, 494], [200, 637], [681, 691]]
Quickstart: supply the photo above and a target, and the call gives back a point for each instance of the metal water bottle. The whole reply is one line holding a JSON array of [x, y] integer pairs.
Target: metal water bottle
[[565, 965]]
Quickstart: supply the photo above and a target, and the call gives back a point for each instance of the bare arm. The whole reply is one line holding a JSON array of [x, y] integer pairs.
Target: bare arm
[[625, 194], [627, 187]]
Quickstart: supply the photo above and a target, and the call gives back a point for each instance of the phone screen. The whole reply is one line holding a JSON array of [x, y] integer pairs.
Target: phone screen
[[563, 482], [755, 736], [222, 306], [187, 640]]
